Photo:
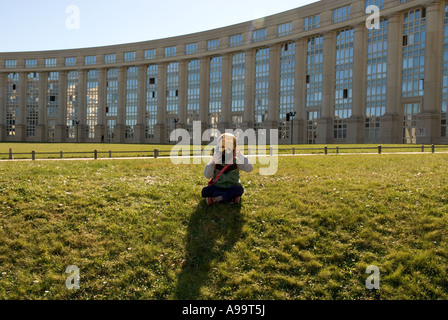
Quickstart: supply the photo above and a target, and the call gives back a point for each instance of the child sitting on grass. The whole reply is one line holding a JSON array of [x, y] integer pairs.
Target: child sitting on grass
[[224, 172]]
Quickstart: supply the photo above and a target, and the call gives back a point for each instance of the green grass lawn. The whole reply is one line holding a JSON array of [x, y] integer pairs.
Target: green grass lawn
[[138, 229]]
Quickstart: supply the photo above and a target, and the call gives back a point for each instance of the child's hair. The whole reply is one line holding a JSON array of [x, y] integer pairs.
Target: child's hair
[[227, 137]]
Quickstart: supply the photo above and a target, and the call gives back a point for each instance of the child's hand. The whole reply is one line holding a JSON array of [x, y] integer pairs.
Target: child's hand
[[217, 158]]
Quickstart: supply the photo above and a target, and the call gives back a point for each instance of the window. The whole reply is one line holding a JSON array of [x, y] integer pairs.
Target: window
[[344, 81], [131, 101], [110, 58], [287, 75], [50, 63], [261, 86], [152, 73], [259, 35], [191, 48], [10, 64], [378, 3], [238, 81], [129, 56], [312, 22], [91, 103], [193, 90], [215, 91], [413, 56], [341, 14], [376, 79], [90, 60], [32, 103], [213, 45], [150, 54], [70, 61], [32, 63], [170, 52], [285, 29], [314, 73], [236, 40]]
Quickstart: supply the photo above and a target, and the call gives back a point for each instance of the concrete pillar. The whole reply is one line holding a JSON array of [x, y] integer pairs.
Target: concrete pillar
[[355, 124], [226, 107], [160, 127], [21, 116], [120, 127], [204, 90], [325, 124], [2, 106], [139, 128], [391, 123], [41, 129], [183, 81], [60, 130], [429, 121], [299, 134], [272, 121], [100, 128], [249, 94]]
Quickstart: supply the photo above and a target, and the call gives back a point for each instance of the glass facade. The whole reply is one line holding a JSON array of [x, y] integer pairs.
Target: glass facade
[[313, 78], [32, 103], [287, 74], [152, 87], [413, 53], [12, 103], [131, 101], [238, 80], [261, 86], [111, 103], [344, 82], [193, 93], [92, 103], [215, 91], [52, 104], [72, 104], [376, 79]]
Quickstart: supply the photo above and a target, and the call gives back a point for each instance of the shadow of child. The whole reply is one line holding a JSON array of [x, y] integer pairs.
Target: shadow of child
[[212, 231]]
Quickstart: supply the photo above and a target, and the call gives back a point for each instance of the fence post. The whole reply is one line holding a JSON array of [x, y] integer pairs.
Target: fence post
[[271, 151], [110, 153], [380, 150], [326, 150], [433, 148], [62, 154], [10, 154], [156, 153], [95, 152], [423, 148], [293, 150], [337, 150], [33, 155]]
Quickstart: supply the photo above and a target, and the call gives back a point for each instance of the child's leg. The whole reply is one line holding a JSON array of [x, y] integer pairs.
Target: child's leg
[[211, 192], [232, 192]]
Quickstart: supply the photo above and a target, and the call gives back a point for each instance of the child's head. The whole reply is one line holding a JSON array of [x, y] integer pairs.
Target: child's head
[[227, 143]]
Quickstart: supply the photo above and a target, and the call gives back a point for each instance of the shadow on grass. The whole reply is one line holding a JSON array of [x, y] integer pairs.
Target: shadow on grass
[[212, 231]]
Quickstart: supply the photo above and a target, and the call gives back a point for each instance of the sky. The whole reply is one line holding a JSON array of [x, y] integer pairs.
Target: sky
[[40, 25]]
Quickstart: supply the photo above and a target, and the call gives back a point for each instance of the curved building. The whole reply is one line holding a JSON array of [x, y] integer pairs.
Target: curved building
[[342, 75]]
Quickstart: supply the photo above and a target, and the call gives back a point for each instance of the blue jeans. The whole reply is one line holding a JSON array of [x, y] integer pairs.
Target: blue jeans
[[228, 194]]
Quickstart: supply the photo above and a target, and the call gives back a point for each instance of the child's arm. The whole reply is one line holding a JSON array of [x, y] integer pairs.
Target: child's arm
[[243, 162], [209, 171]]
